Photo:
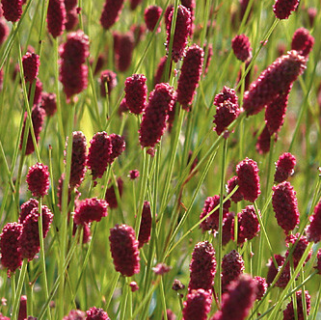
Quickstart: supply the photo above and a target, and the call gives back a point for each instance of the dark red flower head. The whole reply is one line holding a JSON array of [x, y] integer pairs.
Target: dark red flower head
[[49, 103], [30, 62], [151, 16], [12, 9], [135, 93], [26, 209], [96, 314], [302, 42], [242, 48], [261, 287], [38, 180], [145, 225], [314, 229], [301, 312], [111, 11], [284, 167], [90, 210], [124, 51], [56, 17], [283, 8], [198, 305]]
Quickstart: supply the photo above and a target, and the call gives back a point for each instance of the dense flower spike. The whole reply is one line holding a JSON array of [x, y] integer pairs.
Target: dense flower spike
[[11, 257], [70, 4], [153, 124], [135, 93], [227, 94], [160, 73], [12, 9], [284, 167], [22, 315], [56, 16], [318, 267], [38, 180], [111, 197], [190, 5], [272, 272], [314, 229], [151, 16], [228, 224], [248, 224], [26, 208], [124, 250], [232, 268], [261, 287], [283, 8], [302, 42], [299, 248], [73, 71], [190, 76], [274, 80], [30, 63], [202, 267], [107, 78], [71, 19], [182, 30], [133, 174], [75, 315], [242, 48], [248, 179], [285, 206], [4, 30], [99, 153], [197, 306], [226, 113], [134, 4], [38, 92], [90, 210], [212, 221], [238, 300], [145, 225], [263, 143], [111, 11], [289, 313], [78, 159], [49, 103], [118, 146], [124, 51], [96, 314]]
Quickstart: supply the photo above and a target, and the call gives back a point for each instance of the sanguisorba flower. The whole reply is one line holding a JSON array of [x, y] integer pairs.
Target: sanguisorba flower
[[314, 228], [160, 72], [56, 16], [248, 224], [284, 167], [111, 11], [75, 315], [190, 75], [90, 210], [302, 41], [261, 287], [198, 305], [95, 313], [145, 225], [135, 93], [49, 103], [301, 312], [285, 206], [110, 195], [118, 146], [273, 81], [12, 9], [248, 179], [26, 208], [124, 250], [4, 31], [38, 180], [151, 16], [242, 48], [283, 8], [124, 50], [30, 63]]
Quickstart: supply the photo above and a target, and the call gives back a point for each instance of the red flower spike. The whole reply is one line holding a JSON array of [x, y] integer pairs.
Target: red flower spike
[[38, 92], [124, 250], [248, 179], [4, 31], [302, 42], [111, 12], [99, 154], [135, 93], [138, 31], [12, 9], [285, 206], [151, 16], [182, 30], [133, 174], [231, 184], [90, 210], [232, 268], [288, 313], [96, 314], [145, 225], [263, 143], [314, 229], [26, 209], [261, 287], [242, 48], [49, 103], [110, 196], [110, 78], [273, 81], [56, 17], [38, 180], [161, 101], [30, 63], [202, 267], [248, 224], [227, 231], [272, 272], [75, 315], [318, 267], [190, 5], [134, 4], [283, 8], [11, 257], [227, 94], [70, 4], [118, 146], [209, 58], [299, 248], [284, 167], [160, 76], [71, 19], [197, 306], [190, 76], [124, 51], [22, 315]]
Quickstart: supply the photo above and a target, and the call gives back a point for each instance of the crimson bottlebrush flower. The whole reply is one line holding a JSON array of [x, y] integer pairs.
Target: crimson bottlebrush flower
[[202, 267], [99, 153], [151, 16], [26, 208], [133, 174], [283, 8], [38, 180], [301, 312], [101, 60], [4, 30], [318, 267], [153, 124], [70, 4], [96, 314], [11, 257], [302, 42], [212, 221], [273, 81], [134, 4], [284, 167], [138, 31], [145, 225], [272, 272], [208, 58], [49, 103], [232, 268], [263, 143], [242, 48], [30, 63], [227, 230], [22, 315], [261, 287], [197, 306], [38, 92], [37, 117], [75, 315], [124, 51], [71, 19], [135, 93], [12, 9], [190, 75], [238, 300], [108, 79], [110, 195], [78, 159], [124, 250], [190, 5], [111, 11], [167, 12], [227, 94], [248, 224], [285, 206], [314, 229], [85, 230], [122, 107], [299, 248], [118, 146], [90, 210], [56, 16], [181, 31], [248, 179], [160, 73]]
